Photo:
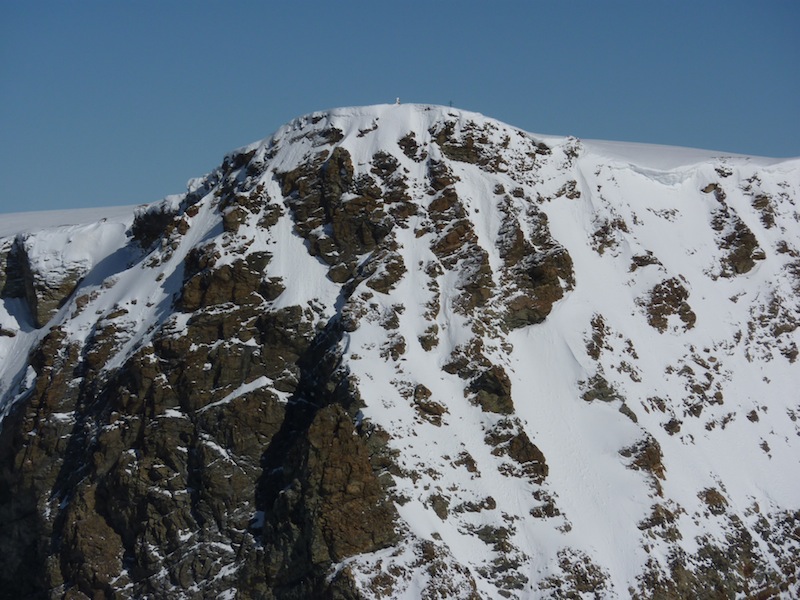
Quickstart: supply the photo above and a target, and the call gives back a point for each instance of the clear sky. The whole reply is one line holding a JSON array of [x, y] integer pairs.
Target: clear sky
[[105, 103]]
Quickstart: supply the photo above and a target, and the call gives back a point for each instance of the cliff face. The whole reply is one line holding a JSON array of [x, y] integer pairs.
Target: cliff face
[[408, 351]]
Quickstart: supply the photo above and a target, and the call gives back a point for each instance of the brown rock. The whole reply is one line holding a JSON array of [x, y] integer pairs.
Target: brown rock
[[492, 390]]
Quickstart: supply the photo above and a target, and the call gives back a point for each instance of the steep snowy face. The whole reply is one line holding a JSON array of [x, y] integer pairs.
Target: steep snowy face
[[409, 351]]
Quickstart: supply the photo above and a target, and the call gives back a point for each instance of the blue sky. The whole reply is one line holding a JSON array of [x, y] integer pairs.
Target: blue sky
[[105, 103]]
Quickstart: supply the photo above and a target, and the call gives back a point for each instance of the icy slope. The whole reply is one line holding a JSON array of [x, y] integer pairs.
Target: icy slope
[[409, 350]]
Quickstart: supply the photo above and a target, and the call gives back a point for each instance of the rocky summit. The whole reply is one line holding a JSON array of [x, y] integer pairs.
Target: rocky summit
[[408, 351]]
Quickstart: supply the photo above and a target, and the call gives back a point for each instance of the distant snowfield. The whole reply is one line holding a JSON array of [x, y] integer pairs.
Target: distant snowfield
[[657, 156], [21, 222]]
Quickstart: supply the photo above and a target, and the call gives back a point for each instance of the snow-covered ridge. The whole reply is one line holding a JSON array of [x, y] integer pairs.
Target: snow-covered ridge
[[27, 222], [581, 356], [396, 118]]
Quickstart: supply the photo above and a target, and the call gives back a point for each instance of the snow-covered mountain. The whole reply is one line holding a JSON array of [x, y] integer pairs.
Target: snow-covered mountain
[[407, 351]]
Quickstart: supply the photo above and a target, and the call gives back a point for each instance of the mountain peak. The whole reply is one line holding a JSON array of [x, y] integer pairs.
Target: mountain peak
[[406, 350]]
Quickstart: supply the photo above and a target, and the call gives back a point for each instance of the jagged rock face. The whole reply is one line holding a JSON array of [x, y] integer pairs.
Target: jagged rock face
[[43, 290], [408, 351]]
